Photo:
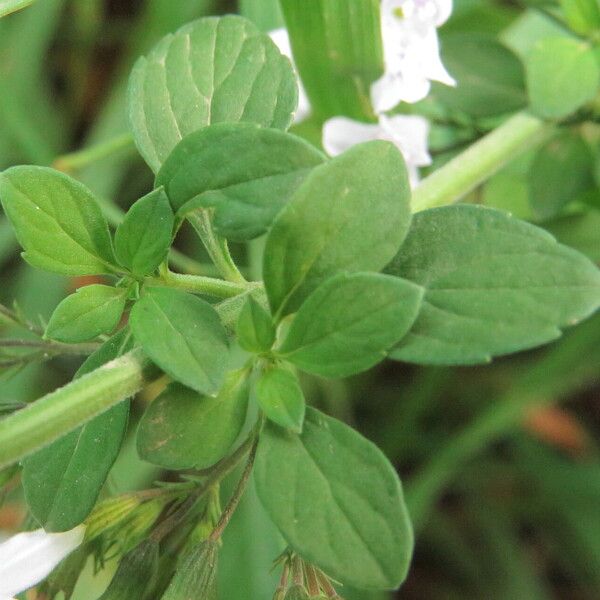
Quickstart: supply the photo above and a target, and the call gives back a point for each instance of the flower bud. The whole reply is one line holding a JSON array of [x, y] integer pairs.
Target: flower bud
[[196, 575], [297, 592], [109, 513], [135, 573]]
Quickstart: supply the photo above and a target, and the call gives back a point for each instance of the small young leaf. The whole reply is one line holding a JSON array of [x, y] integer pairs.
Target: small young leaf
[[62, 482], [57, 221], [183, 335], [89, 312], [562, 75], [135, 573], [350, 214], [196, 576], [346, 325], [337, 501], [494, 285], [250, 171], [212, 70], [185, 430], [255, 329], [281, 398], [142, 240], [490, 78], [562, 171]]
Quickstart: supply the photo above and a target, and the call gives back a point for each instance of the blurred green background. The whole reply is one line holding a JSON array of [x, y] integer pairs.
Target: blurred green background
[[501, 463]]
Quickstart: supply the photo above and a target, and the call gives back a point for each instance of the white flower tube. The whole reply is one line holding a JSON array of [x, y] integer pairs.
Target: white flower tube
[[408, 132], [282, 41], [28, 558], [411, 51]]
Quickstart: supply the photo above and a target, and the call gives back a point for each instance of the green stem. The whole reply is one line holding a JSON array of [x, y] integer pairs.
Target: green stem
[[480, 161], [237, 494], [215, 246], [198, 284], [83, 158], [65, 409]]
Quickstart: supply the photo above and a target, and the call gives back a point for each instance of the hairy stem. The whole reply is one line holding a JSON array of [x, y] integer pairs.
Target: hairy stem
[[480, 161], [65, 409], [203, 285]]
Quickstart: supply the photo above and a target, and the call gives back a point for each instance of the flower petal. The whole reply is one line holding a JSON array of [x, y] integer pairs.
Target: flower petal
[[28, 558], [409, 133], [341, 133], [411, 51]]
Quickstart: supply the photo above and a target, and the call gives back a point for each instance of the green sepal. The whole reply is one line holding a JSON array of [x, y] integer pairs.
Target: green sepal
[[135, 574], [196, 576]]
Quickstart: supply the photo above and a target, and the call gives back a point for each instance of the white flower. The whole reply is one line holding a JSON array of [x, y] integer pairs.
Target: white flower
[[411, 51], [282, 41], [408, 132], [28, 558]]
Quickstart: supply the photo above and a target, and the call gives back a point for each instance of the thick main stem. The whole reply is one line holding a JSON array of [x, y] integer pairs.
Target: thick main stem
[[65, 409], [480, 161]]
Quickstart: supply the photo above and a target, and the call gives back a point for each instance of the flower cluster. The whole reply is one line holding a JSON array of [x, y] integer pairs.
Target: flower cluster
[[411, 61]]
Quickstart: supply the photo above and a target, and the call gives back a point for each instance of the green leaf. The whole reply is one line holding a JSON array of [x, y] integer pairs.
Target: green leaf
[[10, 6], [183, 335], [185, 430], [494, 285], [562, 171], [583, 16], [347, 324], [250, 171], [255, 329], [62, 482], [350, 214], [562, 75], [337, 501], [281, 398], [57, 221], [143, 239], [89, 312], [338, 50], [490, 78], [212, 70]]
